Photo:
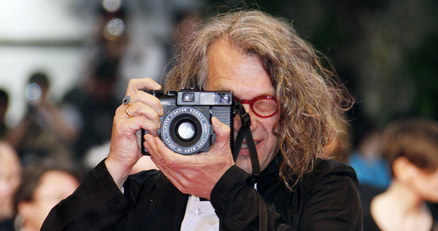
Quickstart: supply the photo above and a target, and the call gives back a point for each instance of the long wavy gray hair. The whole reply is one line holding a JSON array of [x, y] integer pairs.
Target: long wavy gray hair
[[312, 99]]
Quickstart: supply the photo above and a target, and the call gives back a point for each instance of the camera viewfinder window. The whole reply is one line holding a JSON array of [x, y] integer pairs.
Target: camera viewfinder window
[[188, 97]]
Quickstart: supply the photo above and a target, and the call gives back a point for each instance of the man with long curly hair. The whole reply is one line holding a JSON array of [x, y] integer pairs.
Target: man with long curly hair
[[295, 104]]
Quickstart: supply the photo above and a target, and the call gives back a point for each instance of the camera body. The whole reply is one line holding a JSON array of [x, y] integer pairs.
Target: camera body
[[186, 122]]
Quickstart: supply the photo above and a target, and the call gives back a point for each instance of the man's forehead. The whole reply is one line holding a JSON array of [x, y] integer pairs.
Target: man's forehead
[[211, 83], [221, 82]]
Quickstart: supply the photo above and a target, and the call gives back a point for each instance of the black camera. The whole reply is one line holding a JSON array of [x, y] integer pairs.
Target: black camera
[[186, 123]]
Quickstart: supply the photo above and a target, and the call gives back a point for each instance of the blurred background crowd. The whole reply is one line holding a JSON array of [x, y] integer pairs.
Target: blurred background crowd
[[64, 66]]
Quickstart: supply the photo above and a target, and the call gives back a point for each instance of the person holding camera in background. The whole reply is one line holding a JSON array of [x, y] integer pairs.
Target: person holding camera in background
[[295, 106], [44, 130]]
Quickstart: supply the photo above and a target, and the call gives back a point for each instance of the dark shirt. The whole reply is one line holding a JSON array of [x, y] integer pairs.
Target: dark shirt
[[96, 118], [367, 193], [327, 199], [7, 225], [3, 130]]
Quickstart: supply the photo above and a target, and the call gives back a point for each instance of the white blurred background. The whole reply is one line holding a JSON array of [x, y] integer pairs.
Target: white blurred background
[[52, 36]]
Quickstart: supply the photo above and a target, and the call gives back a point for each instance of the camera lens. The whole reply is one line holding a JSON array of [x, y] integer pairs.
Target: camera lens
[[186, 130], [33, 92]]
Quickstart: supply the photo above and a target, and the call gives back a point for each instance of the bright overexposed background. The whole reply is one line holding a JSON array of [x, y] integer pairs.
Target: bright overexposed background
[[51, 36], [40, 35]]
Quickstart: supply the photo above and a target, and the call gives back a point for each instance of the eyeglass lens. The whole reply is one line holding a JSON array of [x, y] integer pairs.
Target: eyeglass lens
[[263, 106]]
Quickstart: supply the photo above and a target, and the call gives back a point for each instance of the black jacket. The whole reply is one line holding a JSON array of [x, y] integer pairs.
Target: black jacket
[[326, 200]]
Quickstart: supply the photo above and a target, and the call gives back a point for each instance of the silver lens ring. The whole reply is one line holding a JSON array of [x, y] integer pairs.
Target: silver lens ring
[[166, 135]]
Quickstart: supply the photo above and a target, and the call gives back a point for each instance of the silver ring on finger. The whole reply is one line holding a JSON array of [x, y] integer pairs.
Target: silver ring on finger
[[127, 100]]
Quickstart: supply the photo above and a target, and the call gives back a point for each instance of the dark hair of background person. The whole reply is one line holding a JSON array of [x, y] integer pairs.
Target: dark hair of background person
[[414, 139], [4, 103], [4, 98], [40, 78], [31, 177]]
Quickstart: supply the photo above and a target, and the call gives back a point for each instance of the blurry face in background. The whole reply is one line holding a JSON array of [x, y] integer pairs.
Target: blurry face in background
[[426, 184], [54, 186], [8, 182], [9, 178]]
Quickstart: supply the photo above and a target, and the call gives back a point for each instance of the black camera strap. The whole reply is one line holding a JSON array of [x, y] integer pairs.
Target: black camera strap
[[245, 132]]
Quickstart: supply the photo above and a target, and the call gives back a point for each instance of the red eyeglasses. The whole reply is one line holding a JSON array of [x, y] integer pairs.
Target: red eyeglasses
[[263, 106]]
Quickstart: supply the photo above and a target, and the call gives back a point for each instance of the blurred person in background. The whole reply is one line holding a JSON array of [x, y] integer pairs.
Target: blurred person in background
[[411, 147], [91, 107], [185, 22], [125, 53], [118, 37], [372, 169], [109, 41], [340, 149], [4, 103], [367, 160], [44, 130], [43, 184], [10, 172]]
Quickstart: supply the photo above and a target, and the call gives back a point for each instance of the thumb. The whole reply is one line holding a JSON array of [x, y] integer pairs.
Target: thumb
[[222, 134]]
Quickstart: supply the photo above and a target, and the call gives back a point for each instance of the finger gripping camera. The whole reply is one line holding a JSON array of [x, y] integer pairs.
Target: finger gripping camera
[[186, 123]]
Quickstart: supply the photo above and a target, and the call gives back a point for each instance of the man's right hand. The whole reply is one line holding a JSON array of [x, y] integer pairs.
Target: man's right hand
[[142, 112]]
